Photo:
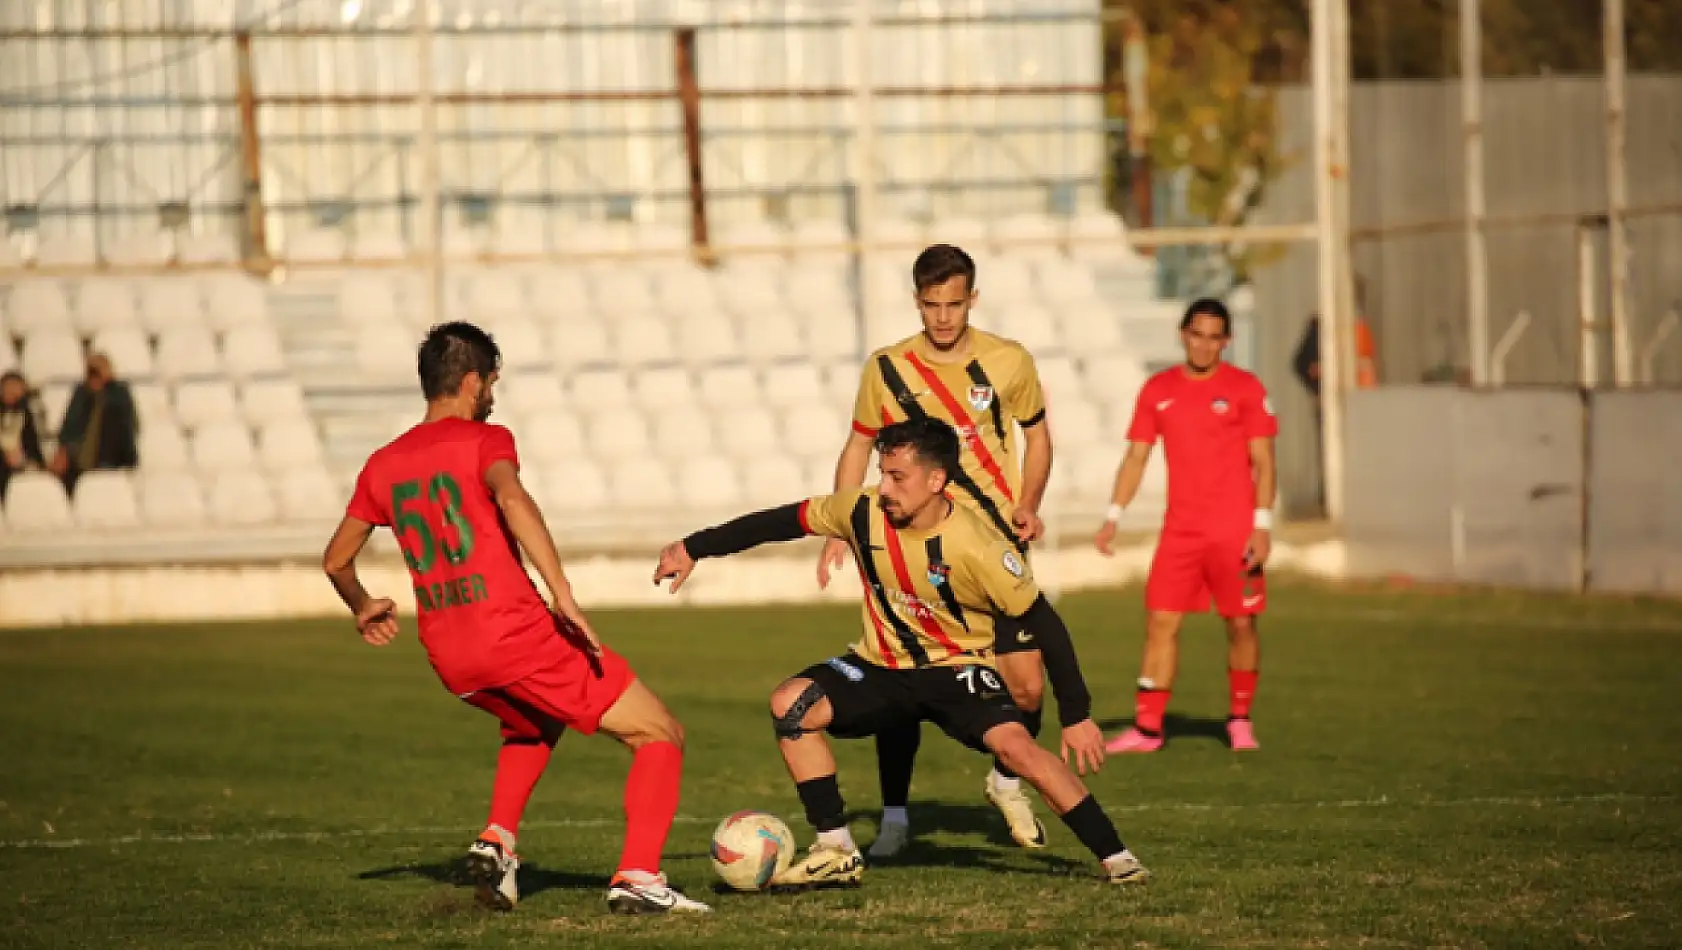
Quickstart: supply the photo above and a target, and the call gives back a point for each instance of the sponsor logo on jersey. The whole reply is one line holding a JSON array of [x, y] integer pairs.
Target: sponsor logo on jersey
[[938, 573], [1013, 564], [846, 669], [1220, 406], [980, 397]]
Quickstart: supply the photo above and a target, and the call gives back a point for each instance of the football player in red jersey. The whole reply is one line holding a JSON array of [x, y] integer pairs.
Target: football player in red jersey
[[450, 490], [1217, 430]]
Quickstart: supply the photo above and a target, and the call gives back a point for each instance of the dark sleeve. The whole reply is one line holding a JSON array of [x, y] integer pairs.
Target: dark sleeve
[[1307, 354], [749, 531], [1062, 667], [31, 437], [75, 419]]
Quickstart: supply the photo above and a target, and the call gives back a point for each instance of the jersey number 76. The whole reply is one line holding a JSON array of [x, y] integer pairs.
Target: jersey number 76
[[422, 540]]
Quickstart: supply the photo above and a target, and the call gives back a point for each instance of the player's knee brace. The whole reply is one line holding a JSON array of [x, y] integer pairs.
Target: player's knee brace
[[788, 725]]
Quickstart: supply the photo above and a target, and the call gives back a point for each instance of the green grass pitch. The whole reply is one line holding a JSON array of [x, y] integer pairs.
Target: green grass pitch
[[1439, 769]]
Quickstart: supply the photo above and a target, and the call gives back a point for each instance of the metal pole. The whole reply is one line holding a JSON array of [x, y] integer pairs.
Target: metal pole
[[431, 219], [689, 94], [1588, 353], [1477, 257], [1343, 204], [1617, 193], [864, 169], [1324, 153], [251, 154]]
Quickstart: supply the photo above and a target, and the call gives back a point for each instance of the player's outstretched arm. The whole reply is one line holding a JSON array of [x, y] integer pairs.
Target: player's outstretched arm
[[1127, 479], [783, 523], [376, 617], [1062, 667], [525, 520], [1036, 475], [1261, 464]]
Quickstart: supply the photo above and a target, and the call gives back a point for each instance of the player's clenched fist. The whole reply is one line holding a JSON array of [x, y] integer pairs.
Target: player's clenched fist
[[377, 621], [675, 563]]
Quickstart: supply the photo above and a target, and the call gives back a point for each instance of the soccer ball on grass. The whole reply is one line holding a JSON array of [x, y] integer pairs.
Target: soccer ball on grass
[[749, 848]]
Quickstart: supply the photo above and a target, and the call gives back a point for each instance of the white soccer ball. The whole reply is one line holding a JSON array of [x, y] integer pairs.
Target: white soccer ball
[[749, 848]]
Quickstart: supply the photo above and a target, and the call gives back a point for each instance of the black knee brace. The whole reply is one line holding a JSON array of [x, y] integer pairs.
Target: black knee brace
[[788, 725]]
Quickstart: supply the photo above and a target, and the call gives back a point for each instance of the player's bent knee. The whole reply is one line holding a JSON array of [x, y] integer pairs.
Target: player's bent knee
[[791, 705]]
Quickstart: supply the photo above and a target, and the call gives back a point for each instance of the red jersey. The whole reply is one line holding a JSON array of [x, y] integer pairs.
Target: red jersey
[[482, 620], [1206, 426]]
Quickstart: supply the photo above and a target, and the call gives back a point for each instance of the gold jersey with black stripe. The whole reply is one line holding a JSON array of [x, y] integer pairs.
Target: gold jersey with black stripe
[[930, 597], [997, 385]]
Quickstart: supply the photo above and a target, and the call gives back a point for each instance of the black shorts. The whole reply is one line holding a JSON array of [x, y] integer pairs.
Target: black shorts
[[964, 701]]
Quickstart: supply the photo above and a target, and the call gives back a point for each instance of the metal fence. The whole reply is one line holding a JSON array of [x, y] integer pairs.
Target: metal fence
[[120, 117]]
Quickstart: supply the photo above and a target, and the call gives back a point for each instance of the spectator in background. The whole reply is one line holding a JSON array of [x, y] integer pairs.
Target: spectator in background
[[20, 443], [101, 427], [1306, 365]]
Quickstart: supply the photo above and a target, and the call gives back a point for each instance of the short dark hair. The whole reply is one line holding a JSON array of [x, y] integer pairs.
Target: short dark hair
[[935, 442], [451, 351], [940, 263], [1208, 306]]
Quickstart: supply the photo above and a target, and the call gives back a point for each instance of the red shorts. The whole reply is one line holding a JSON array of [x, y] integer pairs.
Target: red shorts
[[574, 692], [1191, 569]]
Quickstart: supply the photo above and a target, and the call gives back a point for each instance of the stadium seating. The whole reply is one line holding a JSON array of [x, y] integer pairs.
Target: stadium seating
[[637, 390]]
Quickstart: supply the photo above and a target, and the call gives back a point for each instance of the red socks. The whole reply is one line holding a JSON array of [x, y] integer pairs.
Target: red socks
[[1148, 708], [518, 767], [1243, 686], [651, 795]]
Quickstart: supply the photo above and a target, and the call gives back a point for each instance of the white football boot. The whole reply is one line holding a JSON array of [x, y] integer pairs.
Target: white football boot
[[639, 892], [825, 865], [493, 871], [1013, 803]]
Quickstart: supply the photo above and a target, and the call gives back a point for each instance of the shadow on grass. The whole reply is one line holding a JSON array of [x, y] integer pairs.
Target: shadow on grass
[[1001, 853], [534, 878], [1176, 726]]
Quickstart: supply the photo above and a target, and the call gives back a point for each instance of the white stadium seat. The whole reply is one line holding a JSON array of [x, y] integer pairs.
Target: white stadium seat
[[520, 342], [187, 351], [1027, 324], [583, 341], [151, 402], [1092, 328], [128, 349], [241, 498], [1028, 236], [66, 250], [576, 485], [1076, 422], [270, 400], [207, 249], [493, 296], [971, 234], [525, 393], [833, 333], [599, 389], [841, 383], [105, 303], [316, 245], [560, 293], [620, 289], [55, 399], [709, 481], [35, 501], [619, 432], [663, 388], [167, 302], [8, 352], [1113, 380], [682, 432], [52, 354], [772, 336], [641, 485], [150, 249], [821, 240], [223, 447], [369, 298], [684, 288], [749, 432], [550, 435], [792, 384], [288, 444], [201, 402], [233, 301], [641, 339], [1004, 280], [707, 336], [1059, 378], [1063, 281], [379, 246], [253, 350], [815, 430], [36, 305], [775, 480], [106, 500], [307, 494], [727, 387], [162, 447], [171, 499], [386, 352], [749, 289]]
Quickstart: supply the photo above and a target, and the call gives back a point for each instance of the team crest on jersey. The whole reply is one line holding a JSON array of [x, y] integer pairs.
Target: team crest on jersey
[[1013, 564], [980, 397], [1220, 406], [938, 573]]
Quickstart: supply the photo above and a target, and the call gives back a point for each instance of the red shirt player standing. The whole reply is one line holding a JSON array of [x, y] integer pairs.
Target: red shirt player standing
[[450, 490], [1217, 432]]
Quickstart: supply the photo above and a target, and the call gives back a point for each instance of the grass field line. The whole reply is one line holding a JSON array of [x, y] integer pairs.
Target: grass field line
[[1383, 801]]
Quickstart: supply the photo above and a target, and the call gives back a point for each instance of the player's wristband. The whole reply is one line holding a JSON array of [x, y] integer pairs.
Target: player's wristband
[[1113, 513], [1264, 519]]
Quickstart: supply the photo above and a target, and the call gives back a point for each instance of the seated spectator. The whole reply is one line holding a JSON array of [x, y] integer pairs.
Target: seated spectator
[[101, 428], [20, 444]]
